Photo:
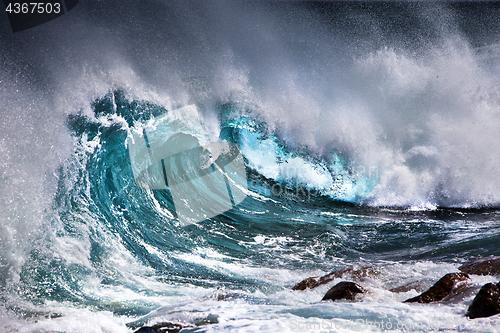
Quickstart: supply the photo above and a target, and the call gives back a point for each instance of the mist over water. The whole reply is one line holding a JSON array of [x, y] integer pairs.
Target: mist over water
[[401, 89], [393, 105]]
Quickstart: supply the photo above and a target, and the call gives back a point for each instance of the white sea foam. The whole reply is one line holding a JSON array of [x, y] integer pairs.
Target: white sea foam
[[286, 310]]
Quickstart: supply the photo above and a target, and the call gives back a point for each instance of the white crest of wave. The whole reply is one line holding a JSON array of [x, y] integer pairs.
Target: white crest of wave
[[428, 124]]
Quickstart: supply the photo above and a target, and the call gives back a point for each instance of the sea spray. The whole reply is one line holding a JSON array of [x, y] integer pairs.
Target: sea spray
[[387, 114]]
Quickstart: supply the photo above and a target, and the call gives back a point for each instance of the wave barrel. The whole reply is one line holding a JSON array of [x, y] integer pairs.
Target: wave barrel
[[204, 180]]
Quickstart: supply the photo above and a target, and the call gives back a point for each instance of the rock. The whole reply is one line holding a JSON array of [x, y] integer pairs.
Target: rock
[[462, 291], [482, 266], [343, 290], [147, 329], [313, 282], [486, 303], [417, 285], [355, 272], [440, 289], [161, 328]]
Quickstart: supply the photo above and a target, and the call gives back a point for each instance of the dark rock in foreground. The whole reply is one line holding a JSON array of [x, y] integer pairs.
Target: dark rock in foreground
[[161, 328], [440, 289], [313, 282], [483, 266], [343, 290], [486, 303], [355, 272]]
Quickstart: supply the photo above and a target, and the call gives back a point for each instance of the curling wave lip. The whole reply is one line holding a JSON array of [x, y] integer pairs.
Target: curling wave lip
[[204, 180]]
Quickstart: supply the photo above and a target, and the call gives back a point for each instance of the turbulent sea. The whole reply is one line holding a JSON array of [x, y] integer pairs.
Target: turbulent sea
[[370, 135]]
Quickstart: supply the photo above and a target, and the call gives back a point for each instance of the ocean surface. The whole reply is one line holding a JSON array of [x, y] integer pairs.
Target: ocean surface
[[370, 135]]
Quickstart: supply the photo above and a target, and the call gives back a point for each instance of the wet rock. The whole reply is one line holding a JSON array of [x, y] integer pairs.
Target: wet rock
[[147, 329], [486, 303], [343, 290], [482, 266], [417, 285], [462, 291], [440, 289], [161, 328], [313, 282], [352, 271]]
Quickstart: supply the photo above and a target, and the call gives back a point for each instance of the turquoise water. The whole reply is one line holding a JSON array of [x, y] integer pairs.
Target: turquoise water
[[116, 248]]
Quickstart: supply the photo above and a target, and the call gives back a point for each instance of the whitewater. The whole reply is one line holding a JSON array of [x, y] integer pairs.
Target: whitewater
[[369, 134]]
